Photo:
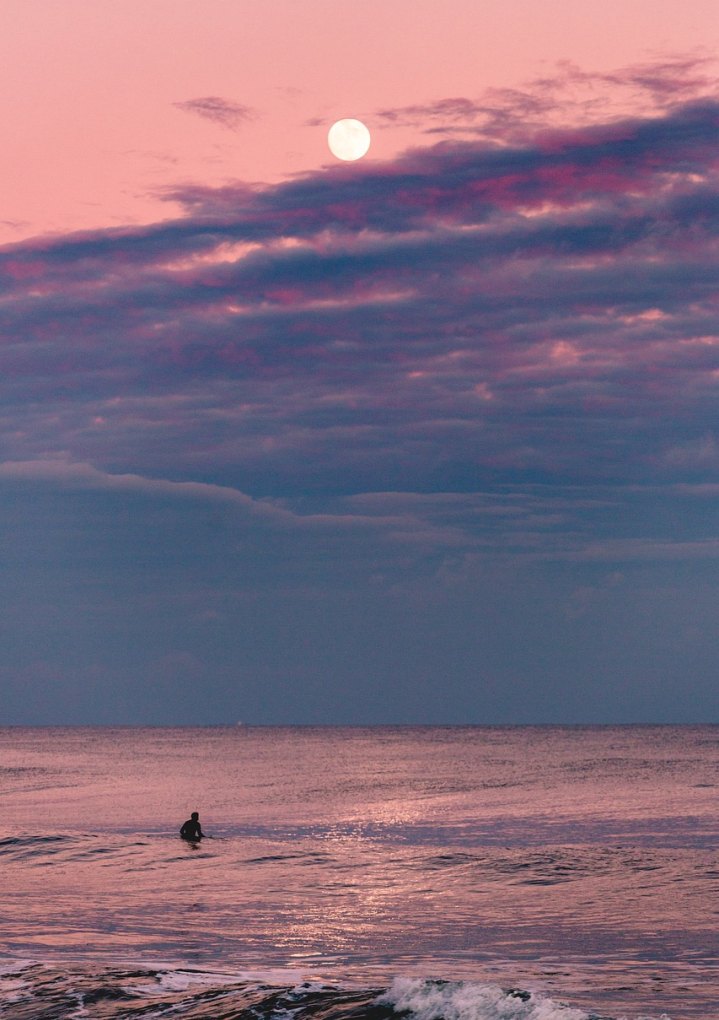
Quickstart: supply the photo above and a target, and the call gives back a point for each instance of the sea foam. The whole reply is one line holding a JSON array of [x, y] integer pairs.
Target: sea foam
[[466, 1000]]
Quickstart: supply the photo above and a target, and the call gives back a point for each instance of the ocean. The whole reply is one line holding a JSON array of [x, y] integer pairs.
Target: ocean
[[437, 873]]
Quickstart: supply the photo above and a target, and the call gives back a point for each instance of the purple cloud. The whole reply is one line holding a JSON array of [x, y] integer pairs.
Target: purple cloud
[[222, 111], [470, 317], [568, 96]]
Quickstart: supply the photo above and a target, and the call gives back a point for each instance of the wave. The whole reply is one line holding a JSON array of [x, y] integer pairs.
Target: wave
[[31, 991]]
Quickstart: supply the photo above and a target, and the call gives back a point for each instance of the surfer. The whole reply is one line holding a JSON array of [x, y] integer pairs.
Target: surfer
[[192, 829]]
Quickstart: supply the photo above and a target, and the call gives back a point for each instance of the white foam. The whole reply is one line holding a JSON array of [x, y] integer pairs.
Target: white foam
[[465, 1000], [177, 979]]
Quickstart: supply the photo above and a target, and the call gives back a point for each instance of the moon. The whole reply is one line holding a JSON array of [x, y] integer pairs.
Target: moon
[[348, 139]]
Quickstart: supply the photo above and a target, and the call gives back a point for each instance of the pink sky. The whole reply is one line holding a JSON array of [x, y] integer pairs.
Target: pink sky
[[92, 130], [431, 437]]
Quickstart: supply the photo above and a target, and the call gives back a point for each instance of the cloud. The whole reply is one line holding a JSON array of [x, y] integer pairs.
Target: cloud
[[474, 315], [67, 474], [456, 109], [339, 522], [568, 95], [299, 451], [221, 111]]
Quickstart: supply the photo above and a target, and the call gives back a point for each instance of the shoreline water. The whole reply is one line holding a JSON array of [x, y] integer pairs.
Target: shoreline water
[[32, 991], [576, 864]]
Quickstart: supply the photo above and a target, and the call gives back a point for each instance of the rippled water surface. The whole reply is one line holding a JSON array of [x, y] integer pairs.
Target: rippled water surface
[[581, 863]]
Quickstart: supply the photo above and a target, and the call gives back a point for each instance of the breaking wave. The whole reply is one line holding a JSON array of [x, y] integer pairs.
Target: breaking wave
[[31, 991]]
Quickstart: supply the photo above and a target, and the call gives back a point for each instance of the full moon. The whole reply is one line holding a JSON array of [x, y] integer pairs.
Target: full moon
[[348, 139]]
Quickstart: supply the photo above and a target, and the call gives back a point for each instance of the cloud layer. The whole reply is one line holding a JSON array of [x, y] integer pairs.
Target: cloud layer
[[501, 348], [468, 314]]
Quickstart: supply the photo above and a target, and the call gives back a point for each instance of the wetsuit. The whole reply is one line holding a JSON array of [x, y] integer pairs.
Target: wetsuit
[[191, 829]]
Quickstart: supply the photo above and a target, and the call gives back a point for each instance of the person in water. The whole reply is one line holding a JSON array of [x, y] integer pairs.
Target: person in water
[[192, 829]]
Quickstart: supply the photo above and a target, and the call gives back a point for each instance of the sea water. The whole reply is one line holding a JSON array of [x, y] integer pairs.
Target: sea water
[[447, 873]]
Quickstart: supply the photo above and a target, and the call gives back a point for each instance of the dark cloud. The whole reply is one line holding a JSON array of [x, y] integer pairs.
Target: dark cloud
[[569, 95], [524, 288], [482, 374], [459, 109], [222, 111], [666, 82]]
